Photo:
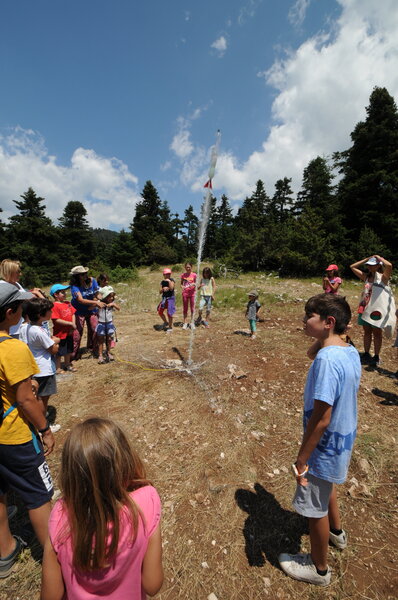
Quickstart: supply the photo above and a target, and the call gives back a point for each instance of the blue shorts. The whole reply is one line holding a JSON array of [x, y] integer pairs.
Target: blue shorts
[[105, 328], [205, 301], [26, 472]]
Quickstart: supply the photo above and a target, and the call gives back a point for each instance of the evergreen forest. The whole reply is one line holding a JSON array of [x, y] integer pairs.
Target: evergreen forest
[[345, 210]]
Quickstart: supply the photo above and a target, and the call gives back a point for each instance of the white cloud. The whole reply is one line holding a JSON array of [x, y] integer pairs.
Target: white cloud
[[322, 90], [181, 143], [191, 157], [104, 185], [166, 165], [248, 10], [220, 44], [297, 12]]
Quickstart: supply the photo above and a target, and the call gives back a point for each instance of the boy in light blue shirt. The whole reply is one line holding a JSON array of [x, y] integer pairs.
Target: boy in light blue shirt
[[330, 423]]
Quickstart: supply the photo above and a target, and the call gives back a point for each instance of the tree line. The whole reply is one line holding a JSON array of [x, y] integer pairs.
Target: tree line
[[346, 209]]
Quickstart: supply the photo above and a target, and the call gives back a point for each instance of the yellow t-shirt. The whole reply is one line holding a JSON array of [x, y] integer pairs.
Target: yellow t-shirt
[[16, 364]]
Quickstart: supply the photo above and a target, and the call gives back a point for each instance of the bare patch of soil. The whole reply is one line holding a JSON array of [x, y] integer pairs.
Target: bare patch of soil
[[219, 449]]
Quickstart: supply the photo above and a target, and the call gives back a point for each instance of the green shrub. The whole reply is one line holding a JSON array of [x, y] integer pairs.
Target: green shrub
[[123, 274]]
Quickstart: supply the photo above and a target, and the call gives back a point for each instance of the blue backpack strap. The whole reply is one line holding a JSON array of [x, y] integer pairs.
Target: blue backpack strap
[[3, 338], [10, 409]]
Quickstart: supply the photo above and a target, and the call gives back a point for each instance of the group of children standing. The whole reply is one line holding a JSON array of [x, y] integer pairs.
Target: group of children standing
[[118, 552], [104, 485], [207, 288]]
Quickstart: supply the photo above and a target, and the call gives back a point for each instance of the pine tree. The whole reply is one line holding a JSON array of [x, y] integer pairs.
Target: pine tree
[[249, 249], [191, 223], [124, 251], [76, 234], [369, 188], [210, 248], [282, 200], [34, 241], [147, 220], [225, 230]]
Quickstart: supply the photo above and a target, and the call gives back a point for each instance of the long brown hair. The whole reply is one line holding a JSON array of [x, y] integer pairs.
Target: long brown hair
[[98, 470]]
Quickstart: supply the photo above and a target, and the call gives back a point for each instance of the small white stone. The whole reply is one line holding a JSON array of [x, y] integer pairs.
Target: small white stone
[[205, 565], [222, 455], [213, 542]]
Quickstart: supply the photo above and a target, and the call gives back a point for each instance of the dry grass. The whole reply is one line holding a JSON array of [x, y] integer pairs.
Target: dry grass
[[218, 449]]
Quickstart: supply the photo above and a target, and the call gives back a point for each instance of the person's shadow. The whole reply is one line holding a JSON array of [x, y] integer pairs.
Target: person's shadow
[[269, 529]]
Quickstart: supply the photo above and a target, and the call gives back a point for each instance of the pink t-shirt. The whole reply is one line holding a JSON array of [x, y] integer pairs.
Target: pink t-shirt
[[188, 281], [122, 580], [329, 289]]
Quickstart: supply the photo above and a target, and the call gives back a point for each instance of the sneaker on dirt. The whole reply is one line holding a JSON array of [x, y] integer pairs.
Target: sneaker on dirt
[[301, 567]]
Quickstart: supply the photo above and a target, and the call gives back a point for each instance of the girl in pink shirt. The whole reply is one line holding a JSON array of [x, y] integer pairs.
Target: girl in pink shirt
[[104, 534], [188, 282], [331, 280]]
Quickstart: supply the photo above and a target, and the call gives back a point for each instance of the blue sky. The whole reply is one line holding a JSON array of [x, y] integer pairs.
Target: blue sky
[[99, 96]]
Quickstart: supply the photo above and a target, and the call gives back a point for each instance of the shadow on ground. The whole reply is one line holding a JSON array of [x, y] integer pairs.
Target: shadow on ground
[[390, 399], [269, 529]]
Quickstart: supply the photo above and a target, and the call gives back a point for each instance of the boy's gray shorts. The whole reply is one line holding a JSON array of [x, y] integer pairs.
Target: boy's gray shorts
[[312, 500]]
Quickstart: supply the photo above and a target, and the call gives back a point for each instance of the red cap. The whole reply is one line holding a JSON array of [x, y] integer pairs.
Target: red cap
[[332, 268], [166, 271]]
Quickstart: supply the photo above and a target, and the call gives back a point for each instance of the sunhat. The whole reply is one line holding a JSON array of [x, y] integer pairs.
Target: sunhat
[[10, 293], [253, 293], [79, 270], [57, 287], [105, 291], [332, 268], [373, 261], [166, 271]]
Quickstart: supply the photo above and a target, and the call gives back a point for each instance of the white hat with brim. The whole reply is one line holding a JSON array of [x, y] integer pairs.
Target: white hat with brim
[[10, 293], [79, 270], [106, 290], [373, 262]]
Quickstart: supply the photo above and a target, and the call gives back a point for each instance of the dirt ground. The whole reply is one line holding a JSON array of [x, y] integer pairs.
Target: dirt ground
[[219, 448]]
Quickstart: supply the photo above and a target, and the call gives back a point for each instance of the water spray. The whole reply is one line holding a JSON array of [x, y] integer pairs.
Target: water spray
[[203, 228]]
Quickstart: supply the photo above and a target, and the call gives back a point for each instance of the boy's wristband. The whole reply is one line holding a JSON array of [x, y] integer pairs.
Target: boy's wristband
[[296, 473]]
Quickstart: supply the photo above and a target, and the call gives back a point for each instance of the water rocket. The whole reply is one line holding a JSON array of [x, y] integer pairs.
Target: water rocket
[[213, 161]]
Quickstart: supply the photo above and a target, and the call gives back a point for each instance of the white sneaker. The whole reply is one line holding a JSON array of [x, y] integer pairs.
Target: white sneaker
[[54, 428], [169, 330], [185, 326], [301, 567], [340, 541]]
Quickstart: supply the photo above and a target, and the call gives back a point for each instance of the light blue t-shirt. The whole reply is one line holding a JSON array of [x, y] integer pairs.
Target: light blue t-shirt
[[334, 378]]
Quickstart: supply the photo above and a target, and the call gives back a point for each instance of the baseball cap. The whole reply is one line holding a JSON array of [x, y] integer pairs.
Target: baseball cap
[[166, 271], [332, 268], [10, 293], [373, 261], [253, 293], [106, 290], [57, 287]]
